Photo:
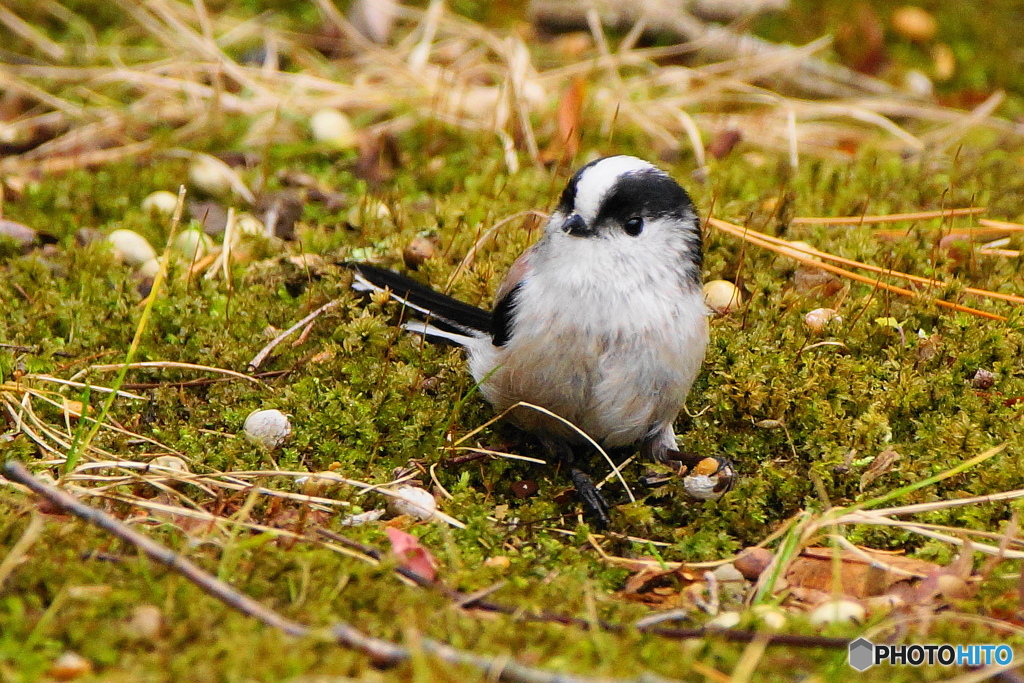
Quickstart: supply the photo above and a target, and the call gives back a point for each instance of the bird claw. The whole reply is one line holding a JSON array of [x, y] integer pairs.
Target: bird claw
[[591, 497]]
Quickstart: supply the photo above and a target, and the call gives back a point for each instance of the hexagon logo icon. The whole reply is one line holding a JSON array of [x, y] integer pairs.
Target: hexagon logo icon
[[862, 654]]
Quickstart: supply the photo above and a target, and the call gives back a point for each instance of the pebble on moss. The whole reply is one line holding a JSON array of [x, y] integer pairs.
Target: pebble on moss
[[269, 428]]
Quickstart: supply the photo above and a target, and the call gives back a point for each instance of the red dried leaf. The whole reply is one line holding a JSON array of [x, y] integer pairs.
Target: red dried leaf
[[412, 555], [566, 142]]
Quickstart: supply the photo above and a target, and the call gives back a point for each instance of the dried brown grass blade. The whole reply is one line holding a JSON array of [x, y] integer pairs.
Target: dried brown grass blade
[[889, 218], [807, 257]]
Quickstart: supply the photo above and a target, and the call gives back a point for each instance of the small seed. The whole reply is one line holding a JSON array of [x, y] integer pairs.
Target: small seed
[[838, 612], [722, 296], [160, 202], [914, 23], [818, 319], [418, 251], [130, 247], [331, 127]]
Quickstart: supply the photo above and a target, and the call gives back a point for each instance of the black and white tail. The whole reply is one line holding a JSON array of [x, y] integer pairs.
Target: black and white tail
[[445, 319]]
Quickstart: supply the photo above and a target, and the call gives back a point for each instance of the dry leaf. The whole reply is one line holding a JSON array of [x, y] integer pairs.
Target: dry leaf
[[411, 554], [724, 142], [811, 575], [566, 143], [662, 588], [882, 463]]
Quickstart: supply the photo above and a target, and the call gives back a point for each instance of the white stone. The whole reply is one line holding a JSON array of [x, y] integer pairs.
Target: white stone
[[160, 202], [414, 501], [269, 428], [131, 248]]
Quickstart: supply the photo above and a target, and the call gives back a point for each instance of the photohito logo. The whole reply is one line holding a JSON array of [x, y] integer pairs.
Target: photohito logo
[[864, 654]]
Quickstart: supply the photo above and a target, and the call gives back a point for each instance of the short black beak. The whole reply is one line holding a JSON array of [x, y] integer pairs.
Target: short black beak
[[575, 225]]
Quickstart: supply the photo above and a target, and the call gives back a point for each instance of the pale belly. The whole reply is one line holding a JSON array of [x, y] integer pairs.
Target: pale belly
[[618, 387]]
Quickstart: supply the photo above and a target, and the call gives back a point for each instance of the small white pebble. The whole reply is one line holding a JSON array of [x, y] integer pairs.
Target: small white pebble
[[160, 202], [147, 622], [722, 296], [413, 501], [130, 247], [170, 462], [838, 612], [211, 175], [819, 318], [723, 621], [332, 128], [70, 666], [150, 268], [773, 618], [269, 428], [193, 244]]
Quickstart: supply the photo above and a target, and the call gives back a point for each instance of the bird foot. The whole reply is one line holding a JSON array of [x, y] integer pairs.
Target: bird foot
[[593, 502]]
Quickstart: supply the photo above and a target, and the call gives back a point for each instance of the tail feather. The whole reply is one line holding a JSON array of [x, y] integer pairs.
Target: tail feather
[[445, 314]]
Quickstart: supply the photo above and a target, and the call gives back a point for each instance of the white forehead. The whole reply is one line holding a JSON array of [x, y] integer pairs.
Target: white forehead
[[597, 180]]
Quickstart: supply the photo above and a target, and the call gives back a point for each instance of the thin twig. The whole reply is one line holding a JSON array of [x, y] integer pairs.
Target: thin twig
[[258, 359], [382, 652]]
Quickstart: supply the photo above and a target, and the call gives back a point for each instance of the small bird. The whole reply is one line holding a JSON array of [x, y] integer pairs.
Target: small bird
[[601, 322]]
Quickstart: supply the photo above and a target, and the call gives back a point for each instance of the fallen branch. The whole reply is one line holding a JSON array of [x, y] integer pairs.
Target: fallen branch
[[382, 653], [671, 18]]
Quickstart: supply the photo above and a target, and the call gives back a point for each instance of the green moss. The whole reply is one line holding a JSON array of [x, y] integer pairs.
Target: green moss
[[786, 410]]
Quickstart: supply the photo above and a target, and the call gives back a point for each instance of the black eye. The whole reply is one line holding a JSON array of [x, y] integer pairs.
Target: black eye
[[634, 226]]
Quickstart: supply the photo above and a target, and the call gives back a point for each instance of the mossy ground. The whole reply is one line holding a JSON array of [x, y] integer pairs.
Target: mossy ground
[[358, 398]]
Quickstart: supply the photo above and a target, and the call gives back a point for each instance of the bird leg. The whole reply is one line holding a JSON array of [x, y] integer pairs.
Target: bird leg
[[594, 504]]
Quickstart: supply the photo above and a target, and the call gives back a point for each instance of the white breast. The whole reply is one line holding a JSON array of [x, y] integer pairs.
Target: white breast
[[602, 338]]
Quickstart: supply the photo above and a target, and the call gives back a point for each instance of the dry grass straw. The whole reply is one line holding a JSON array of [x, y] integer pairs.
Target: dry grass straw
[[813, 257], [444, 69], [807, 529]]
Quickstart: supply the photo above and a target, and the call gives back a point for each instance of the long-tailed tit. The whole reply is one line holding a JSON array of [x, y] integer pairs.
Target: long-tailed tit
[[601, 322]]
